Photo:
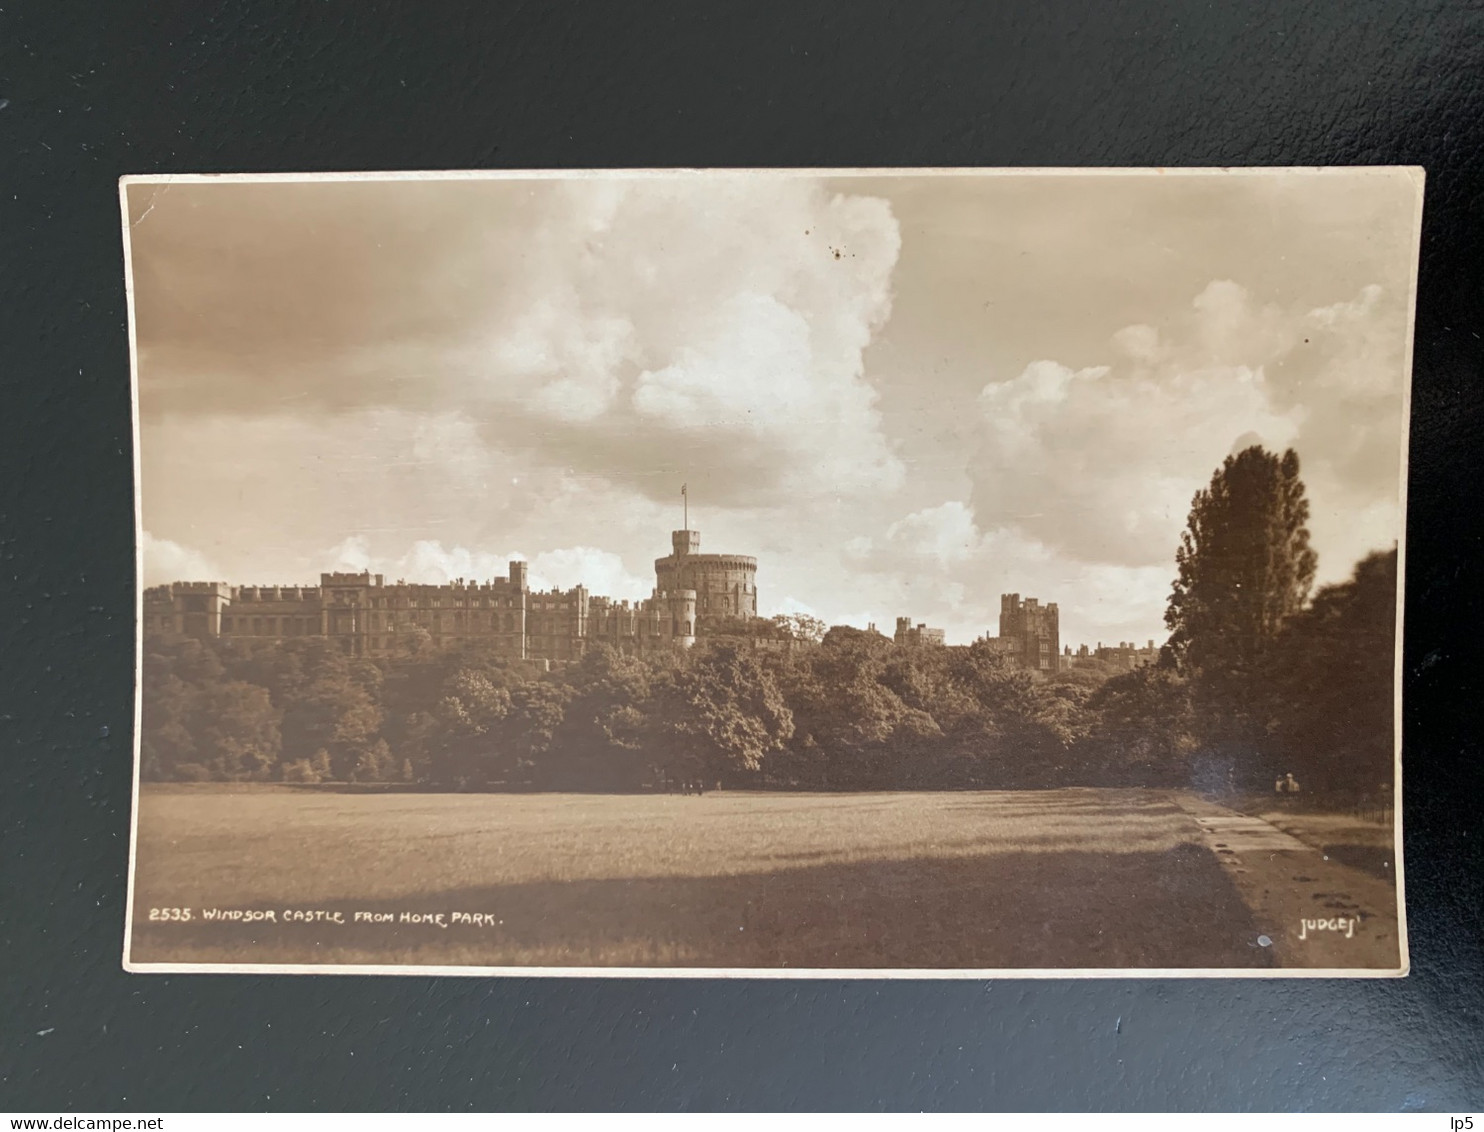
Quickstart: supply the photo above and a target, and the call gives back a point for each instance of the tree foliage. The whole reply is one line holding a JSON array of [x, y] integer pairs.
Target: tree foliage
[[719, 716], [1255, 678], [1334, 713], [1244, 570]]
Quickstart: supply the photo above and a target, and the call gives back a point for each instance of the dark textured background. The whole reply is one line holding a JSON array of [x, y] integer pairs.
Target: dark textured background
[[94, 91]]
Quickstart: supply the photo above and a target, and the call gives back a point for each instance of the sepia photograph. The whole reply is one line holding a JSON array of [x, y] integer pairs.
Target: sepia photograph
[[773, 573]]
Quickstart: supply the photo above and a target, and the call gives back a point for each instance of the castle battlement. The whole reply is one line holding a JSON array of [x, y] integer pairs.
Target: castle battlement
[[276, 593], [1030, 633], [370, 617], [919, 634], [1126, 655], [725, 585]]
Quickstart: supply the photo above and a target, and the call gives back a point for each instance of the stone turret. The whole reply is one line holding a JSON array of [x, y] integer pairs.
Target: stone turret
[[681, 605]]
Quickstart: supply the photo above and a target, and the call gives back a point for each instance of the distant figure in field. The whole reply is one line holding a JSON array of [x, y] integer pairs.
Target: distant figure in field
[[1286, 785]]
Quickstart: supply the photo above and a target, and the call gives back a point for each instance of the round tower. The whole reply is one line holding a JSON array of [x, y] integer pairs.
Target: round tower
[[725, 585]]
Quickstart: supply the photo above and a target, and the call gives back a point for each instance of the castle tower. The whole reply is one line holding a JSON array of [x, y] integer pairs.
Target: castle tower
[[681, 607], [345, 600], [1033, 632], [196, 607], [725, 585]]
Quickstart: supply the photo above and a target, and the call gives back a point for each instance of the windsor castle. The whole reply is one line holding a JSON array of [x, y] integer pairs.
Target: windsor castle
[[368, 616]]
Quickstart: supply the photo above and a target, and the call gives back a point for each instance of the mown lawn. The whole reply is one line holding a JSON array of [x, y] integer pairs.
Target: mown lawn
[[1082, 878]]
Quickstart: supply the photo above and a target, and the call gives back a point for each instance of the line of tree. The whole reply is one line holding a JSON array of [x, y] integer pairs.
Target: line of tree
[[1258, 679]]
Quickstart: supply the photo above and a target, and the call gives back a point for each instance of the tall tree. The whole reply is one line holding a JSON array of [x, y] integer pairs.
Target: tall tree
[[1244, 570]]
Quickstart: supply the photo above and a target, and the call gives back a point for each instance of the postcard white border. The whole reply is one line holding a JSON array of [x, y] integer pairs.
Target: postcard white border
[[1418, 176]]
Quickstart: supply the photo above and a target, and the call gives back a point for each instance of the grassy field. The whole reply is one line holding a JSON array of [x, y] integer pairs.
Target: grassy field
[[1080, 878]]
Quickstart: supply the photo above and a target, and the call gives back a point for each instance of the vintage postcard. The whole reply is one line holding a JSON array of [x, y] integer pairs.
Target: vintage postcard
[[924, 573]]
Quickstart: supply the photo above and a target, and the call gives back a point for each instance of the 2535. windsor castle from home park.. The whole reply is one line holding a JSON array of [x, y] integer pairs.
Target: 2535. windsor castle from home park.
[[693, 593]]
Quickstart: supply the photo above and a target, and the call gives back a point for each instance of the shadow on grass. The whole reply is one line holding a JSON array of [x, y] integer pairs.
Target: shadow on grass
[[1372, 859], [1172, 908]]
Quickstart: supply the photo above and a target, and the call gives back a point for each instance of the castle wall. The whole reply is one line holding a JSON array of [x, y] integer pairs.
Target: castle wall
[[369, 617], [915, 635], [374, 619], [665, 620], [1126, 655], [187, 609]]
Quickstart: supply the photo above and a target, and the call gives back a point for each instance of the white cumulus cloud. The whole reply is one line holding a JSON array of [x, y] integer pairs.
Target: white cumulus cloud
[[166, 561], [937, 566], [726, 316], [1100, 463]]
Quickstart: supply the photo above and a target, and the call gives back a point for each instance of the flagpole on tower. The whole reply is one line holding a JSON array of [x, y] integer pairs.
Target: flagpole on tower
[[685, 506]]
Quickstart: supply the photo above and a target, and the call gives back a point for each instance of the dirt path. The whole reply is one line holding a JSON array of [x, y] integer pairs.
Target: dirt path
[[1314, 912]]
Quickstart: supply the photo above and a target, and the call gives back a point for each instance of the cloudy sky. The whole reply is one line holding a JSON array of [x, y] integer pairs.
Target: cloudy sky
[[904, 394]]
